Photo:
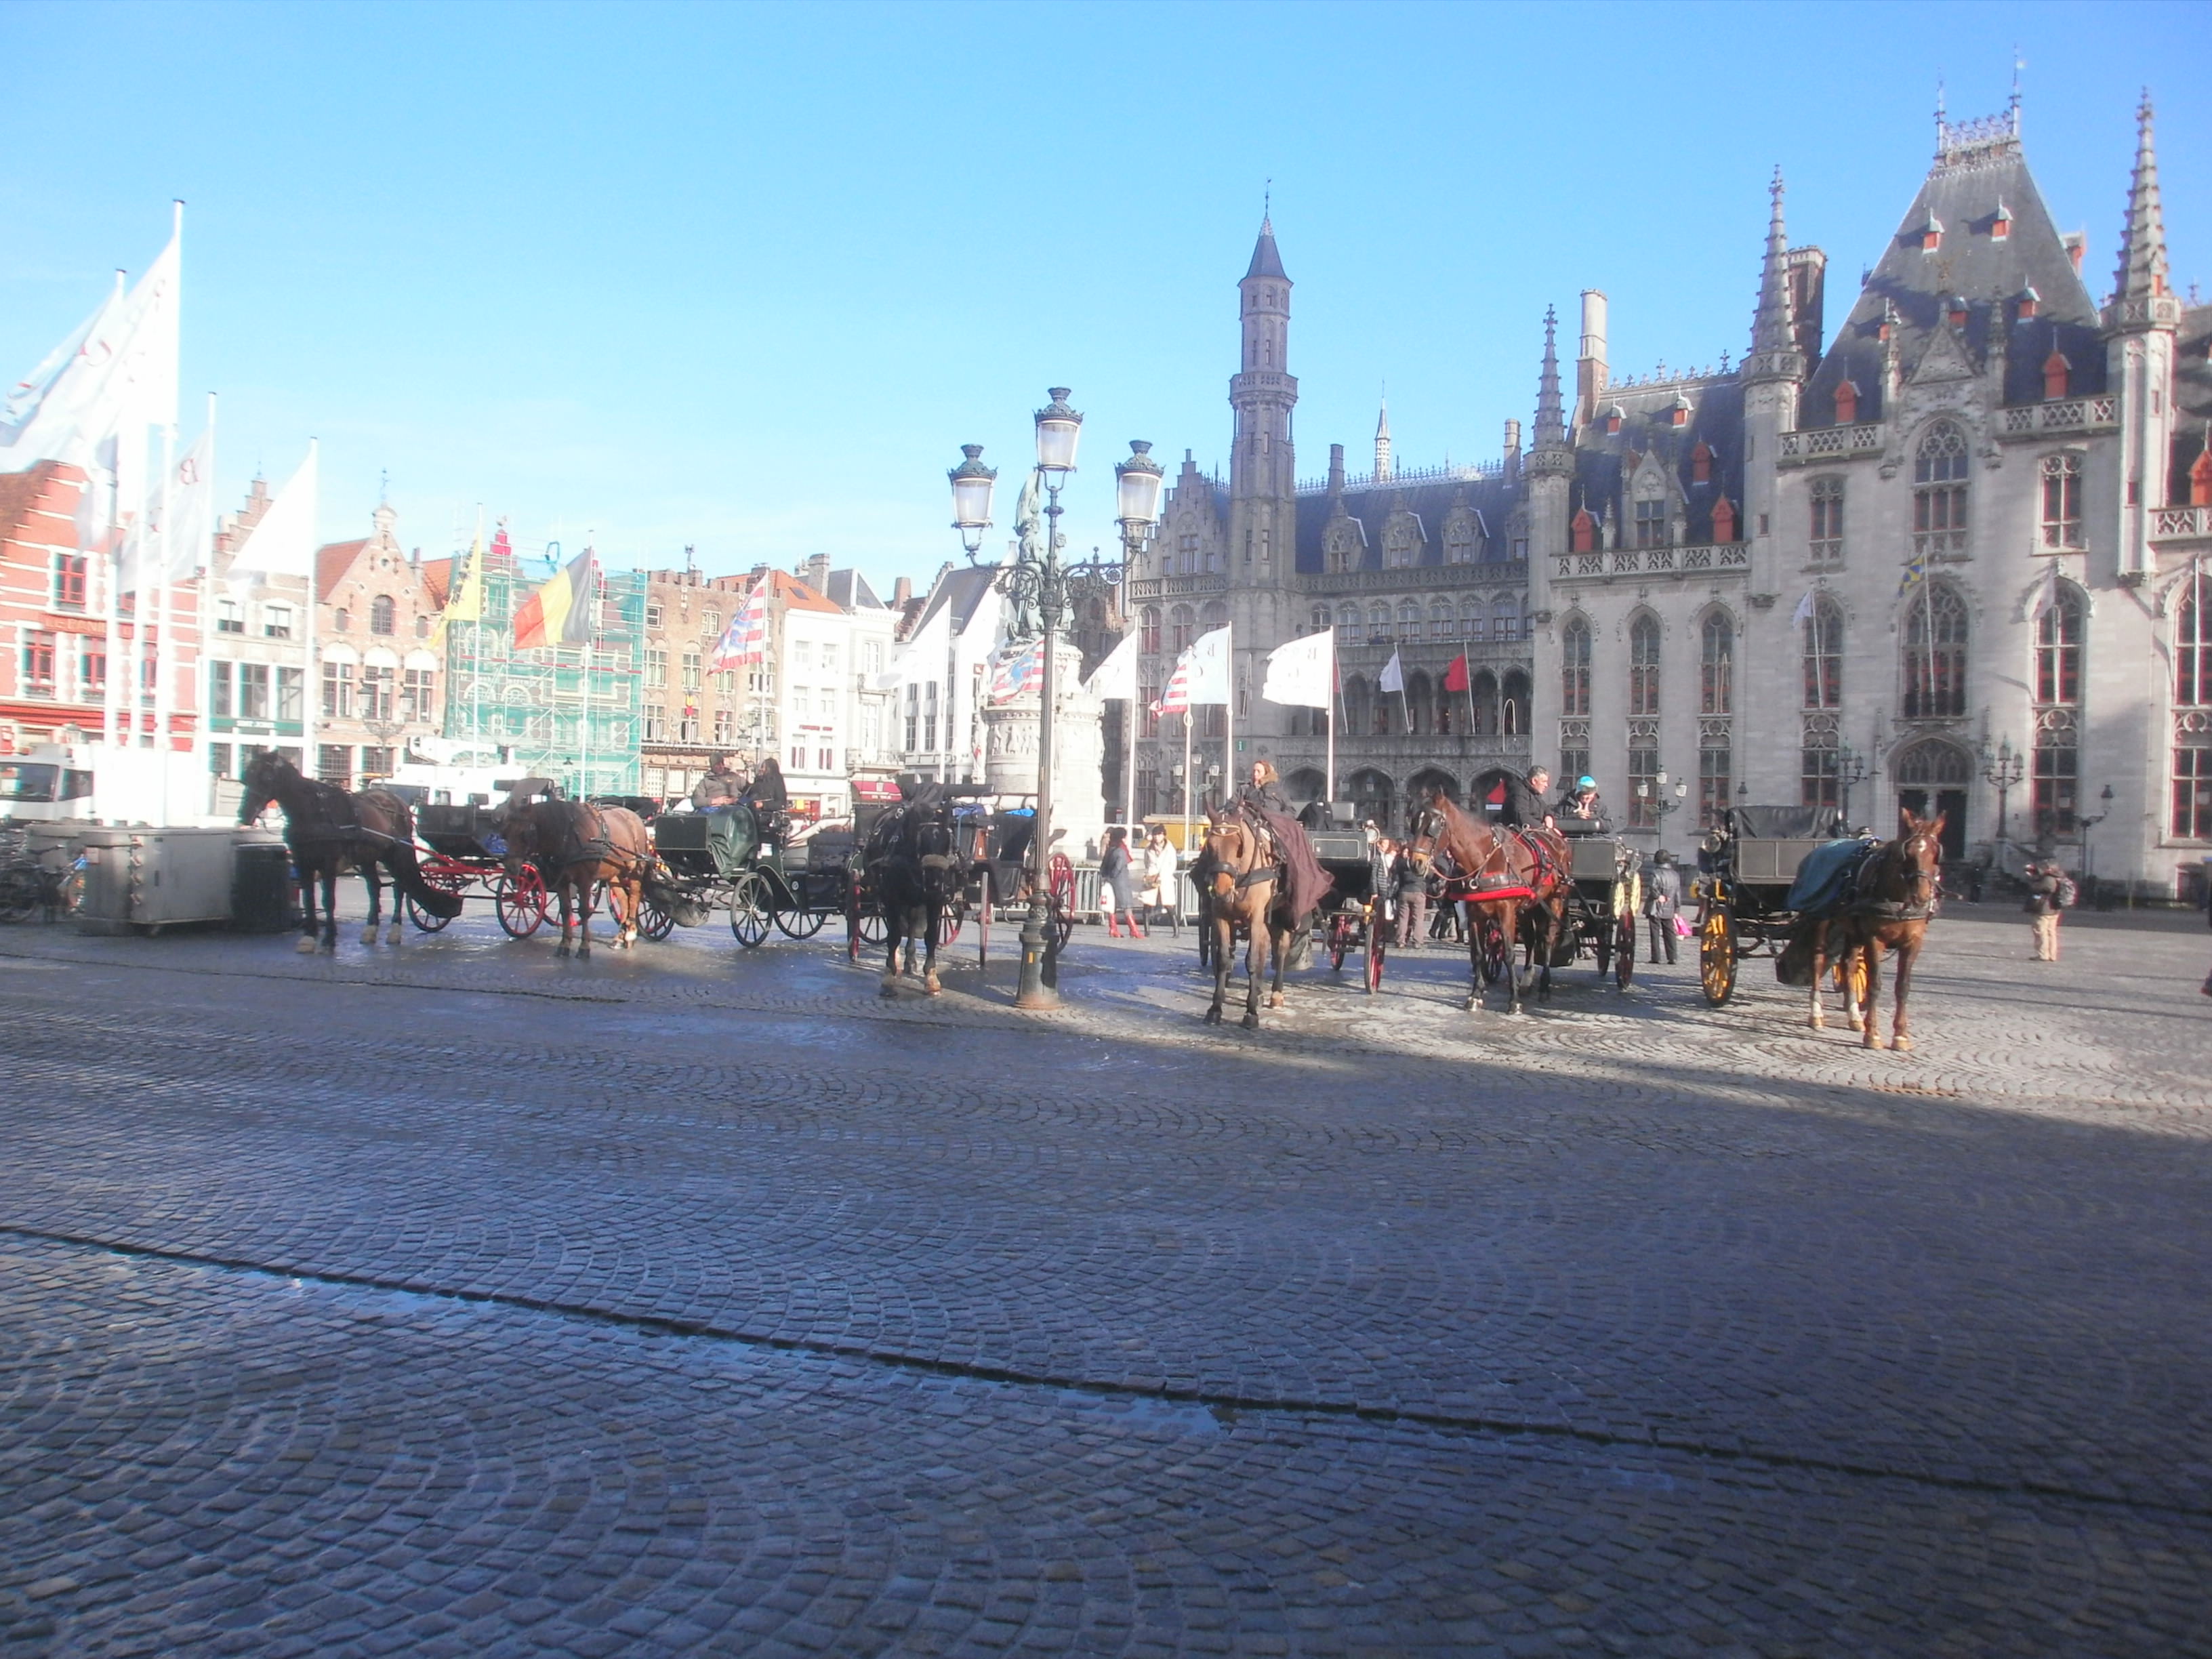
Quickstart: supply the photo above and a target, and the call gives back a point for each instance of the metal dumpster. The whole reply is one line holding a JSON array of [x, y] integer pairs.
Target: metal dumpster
[[146, 879]]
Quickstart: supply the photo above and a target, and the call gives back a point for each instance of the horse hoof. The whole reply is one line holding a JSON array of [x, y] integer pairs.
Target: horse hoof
[[1871, 1042], [1902, 1044], [1469, 1005], [393, 935], [1250, 1022], [369, 938], [1214, 1016], [306, 947], [932, 985], [561, 952], [329, 947], [1817, 1024], [1274, 1001]]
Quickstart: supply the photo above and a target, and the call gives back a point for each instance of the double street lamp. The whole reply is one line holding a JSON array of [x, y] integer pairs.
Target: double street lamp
[[1042, 592], [1850, 771], [2004, 770]]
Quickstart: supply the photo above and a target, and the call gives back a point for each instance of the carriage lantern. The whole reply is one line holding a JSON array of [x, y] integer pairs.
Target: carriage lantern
[[971, 496], [1058, 426]]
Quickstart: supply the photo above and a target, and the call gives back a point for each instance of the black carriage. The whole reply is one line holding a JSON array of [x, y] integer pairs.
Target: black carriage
[[728, 859], [1745, 871], [1355, 914], [999, 842], [1605, 892], [467, 857]]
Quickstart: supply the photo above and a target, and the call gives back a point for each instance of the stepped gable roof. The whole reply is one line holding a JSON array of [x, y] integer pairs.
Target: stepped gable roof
[[1647, 427], [37, 506], [1964, 190], [1431, 500], [332, 560]]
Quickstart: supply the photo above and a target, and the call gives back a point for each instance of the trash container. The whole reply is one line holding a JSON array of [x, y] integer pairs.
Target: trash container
[[262, 896]]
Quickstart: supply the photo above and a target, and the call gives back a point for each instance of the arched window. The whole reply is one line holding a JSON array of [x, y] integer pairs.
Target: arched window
[[1483, 696], [1939, 492], [1505, 617], [1575, 668], [382, 615], [1717, 664], [1513, 704], [2062, 500], [1358, 703], [1320, 619], [1347, 623], [1824, 656], [1409, 620], [2192, 724], [1827, 546], [1421, 703], [1216, 614], [2058, 649], [1471, 618], [1652, 511], [1643, 666], [1183, 629], [1440, 619], [1936, 654], [1378, 621], [1148, 630]]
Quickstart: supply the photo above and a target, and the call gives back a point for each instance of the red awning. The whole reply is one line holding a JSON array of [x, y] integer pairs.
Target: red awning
[[875, 789]]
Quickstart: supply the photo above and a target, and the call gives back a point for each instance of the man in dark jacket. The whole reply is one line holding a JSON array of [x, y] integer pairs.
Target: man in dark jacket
[[1662, 900], [1525, 807]]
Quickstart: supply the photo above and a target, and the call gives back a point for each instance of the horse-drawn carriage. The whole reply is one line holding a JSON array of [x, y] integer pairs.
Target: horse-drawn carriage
[[1745, 870], [1602, 899], [467, 855], [728, 859], [1355, 915]]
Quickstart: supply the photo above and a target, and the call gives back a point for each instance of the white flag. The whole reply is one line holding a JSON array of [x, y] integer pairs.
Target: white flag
[[1117, 675], [1299, 671], [1393, 677], [1206, 678], [177, 543], [1803, 613], [40, 419], [283, 543]]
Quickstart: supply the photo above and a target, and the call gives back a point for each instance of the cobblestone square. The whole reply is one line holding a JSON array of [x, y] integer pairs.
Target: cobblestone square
[[451, 1299]]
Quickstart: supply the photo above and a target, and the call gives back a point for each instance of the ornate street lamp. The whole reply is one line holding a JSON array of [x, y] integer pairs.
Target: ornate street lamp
[[2004, 770], [1042, 592], [1850, 771]]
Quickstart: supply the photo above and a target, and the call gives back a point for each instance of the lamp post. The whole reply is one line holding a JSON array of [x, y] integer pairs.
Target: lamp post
[[2004, 770], [1043, 590], [1850, 771], [1655, 797], [2085, 823]]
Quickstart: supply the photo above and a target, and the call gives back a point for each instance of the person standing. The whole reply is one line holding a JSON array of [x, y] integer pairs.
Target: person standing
[[2043, 907], [1117, 884], [1411, 889], [1662, 903], [1159, 891]]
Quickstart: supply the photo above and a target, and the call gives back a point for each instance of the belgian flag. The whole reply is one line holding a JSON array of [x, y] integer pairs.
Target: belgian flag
[[559, 613]]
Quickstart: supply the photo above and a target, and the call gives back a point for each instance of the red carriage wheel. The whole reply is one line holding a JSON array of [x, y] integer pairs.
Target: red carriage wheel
[[1378, 942], [1063, 897], [1340, 939], [948, 928], [520, 902], [1497, 955], [447, 877]]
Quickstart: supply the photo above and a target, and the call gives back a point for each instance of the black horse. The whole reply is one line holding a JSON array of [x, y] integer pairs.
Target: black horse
[[914, 868], [329, 831]]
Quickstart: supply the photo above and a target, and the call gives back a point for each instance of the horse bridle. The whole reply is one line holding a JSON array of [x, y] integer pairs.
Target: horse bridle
[[1923, 879]]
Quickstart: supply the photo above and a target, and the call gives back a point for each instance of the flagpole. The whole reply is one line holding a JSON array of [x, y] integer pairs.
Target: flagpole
[[204, 577], [311, 693], [1229, 717], [1129, 766], [1328, 789], [158, 647], [1185, 776]]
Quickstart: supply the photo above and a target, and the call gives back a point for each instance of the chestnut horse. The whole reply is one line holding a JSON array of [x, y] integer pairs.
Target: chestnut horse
[[1245, 888], [328, 831], [1889, 910], [575, 845], [1528, 869]]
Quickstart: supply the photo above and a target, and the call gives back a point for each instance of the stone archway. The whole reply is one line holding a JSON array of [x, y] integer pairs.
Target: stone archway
[[1934, 774], [1373, 796]]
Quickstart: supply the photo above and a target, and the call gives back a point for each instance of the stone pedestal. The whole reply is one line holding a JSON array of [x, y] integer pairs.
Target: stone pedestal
[[1078, 751]]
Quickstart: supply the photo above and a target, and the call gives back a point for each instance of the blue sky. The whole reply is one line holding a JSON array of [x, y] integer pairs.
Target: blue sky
[[746, 277]]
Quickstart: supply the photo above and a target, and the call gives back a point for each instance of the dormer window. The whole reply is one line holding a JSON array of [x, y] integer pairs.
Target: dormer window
[[2200, 481], [1847, 403], [1701, 463], [2025, 303], [1724, 521], [1679, 415], [1612, 420], [2000, 226], [1582, 533], [1931, 233], [2055, 371], [1955, 308], [1888, 323]]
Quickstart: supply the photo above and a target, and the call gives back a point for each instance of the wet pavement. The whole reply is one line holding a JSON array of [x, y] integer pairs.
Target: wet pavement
[[448, 1297]]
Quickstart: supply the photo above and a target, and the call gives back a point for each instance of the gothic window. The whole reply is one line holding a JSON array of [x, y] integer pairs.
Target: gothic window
[[1182, 628], [1820, 762], [1346, 547], [1824, 656], [1716, 772], [1827, 542], [1216, 614], [380, 615], [1513, 704], [1409, 620], [1421, 703], [2062, 500], [1717, 664], [1347, 623], [1186, 554], [1440, 619], [1320, 619], [1378, 621], [1650, 511], [1483, 694], [1148, 630], [2192, 714], [1643, 785], [1470, 617], [1575, 668], [2192, 647], [1358, 704], [1402, 541], [1939, 494], [1644, 665], [1505, 617], [2058, 649], [1459, 538], [1936, 654]]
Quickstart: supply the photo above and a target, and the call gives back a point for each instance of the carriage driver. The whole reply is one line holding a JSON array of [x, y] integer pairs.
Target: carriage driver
[[1265, 789], [1524, 799], [722, 787]]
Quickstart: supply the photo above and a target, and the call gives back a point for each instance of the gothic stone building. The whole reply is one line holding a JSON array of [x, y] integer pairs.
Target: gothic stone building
[[1423, 565], [1974, 523]]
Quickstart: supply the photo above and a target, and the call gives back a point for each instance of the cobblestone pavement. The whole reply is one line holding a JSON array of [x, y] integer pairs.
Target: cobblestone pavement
[[449, 1298]]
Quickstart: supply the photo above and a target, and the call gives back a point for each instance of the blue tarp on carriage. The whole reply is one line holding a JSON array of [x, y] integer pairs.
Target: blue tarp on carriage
[[1826, 876]]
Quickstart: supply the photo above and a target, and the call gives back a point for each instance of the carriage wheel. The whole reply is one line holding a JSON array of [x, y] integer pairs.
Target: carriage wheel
[[1601, 948], [873, 929], [655, 923], [520, 902], [1063, 898], [852, 917], [1623, 950], [1339, 939], [1717, 955], [1496, 954], [804, 922], [1377, 942], [749, 910], [948, 927], [983, 919], [445, 881]]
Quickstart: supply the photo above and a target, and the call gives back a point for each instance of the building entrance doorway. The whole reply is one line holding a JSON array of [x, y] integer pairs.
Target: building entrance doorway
[[1933, 776]]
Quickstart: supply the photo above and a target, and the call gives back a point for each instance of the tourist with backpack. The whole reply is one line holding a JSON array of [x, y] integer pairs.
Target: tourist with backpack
[[2050, 892]]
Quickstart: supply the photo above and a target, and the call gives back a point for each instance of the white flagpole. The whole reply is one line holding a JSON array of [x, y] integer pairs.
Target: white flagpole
[[1229, 719], [1129, 767], [311, 693], [1185, 774], [204, 540], [158, 647], [1328, 792]]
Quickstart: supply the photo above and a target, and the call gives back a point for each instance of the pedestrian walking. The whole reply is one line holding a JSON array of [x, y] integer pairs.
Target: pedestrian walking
[[1662, 903], [1117, 885], [2047, 896], [1159, 893], [1411, 889]]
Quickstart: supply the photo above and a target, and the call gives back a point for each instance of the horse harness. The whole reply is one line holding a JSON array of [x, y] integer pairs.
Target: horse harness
[[1272, 865], [1875, 868]]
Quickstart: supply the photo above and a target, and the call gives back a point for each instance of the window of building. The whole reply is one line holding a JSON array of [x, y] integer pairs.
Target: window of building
[[1574, 760], [1715, 779], [1827, 542], [726, 727], [382, 615], [342, 623], [219, 760], [1358, 704], [1820, 765], [1347, 623], [802, 656], [230, 616], [1936, 654], [1472, 620], [929, 717], [1643, 778], [69, 581], [693, 668], [1513, 704], [422, 628], [2057, 768], [1148, 719], [378, 692], [2062, 501], [655, 616], [417, 695], [334, 763], [92, 668], [710, 625], [1575, 668], [1378, 622], [1505, 617], [1440, 619], [656, 666], [1824, 656], [1717, 664], [1651, 521], [337, 691], [913, 718], [2058, 649], [276, 622], [1148, 630], [2192, 712], [253, 691], [289, 681], [1182, 627], [1939, 494], [221, 705], [1644, 665], [656, 723], [1409, 620], [687, 725], [375, 762]]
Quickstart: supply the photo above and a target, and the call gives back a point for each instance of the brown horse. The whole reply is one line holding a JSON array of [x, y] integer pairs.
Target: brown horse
[[1890, 909], [329, 831], [1245, 888], [575, 845], [1517, 879]]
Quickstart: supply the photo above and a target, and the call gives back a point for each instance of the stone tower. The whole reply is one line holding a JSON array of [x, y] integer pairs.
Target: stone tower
[[2140, 321], [1774, 374], [1262, 551]]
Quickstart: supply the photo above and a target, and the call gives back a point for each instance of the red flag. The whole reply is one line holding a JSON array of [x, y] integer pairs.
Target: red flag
[[1456, 676]]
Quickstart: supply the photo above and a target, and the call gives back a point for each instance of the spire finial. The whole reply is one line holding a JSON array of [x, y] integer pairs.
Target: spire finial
[[2018, 64], [1771, 331], [1551, 421], [2142, 273], [1268, 203]]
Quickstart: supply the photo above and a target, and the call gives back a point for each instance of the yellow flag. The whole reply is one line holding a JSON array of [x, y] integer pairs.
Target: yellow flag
[[465, 601]]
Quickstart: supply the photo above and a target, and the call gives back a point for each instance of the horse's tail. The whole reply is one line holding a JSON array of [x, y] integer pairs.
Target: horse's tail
[[408, 873]]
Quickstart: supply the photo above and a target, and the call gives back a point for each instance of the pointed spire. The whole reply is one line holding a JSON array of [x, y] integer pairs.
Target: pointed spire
[[1551, 424], [1384, 468], [1770, 328], [1266, 261], [2142, 274]]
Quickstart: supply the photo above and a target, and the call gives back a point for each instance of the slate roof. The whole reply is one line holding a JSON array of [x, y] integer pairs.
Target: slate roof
[[1986, 271], [848, 590], [1266, 261], [1602, 459], [963, 589], [1371, 505], [2192, 397]]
